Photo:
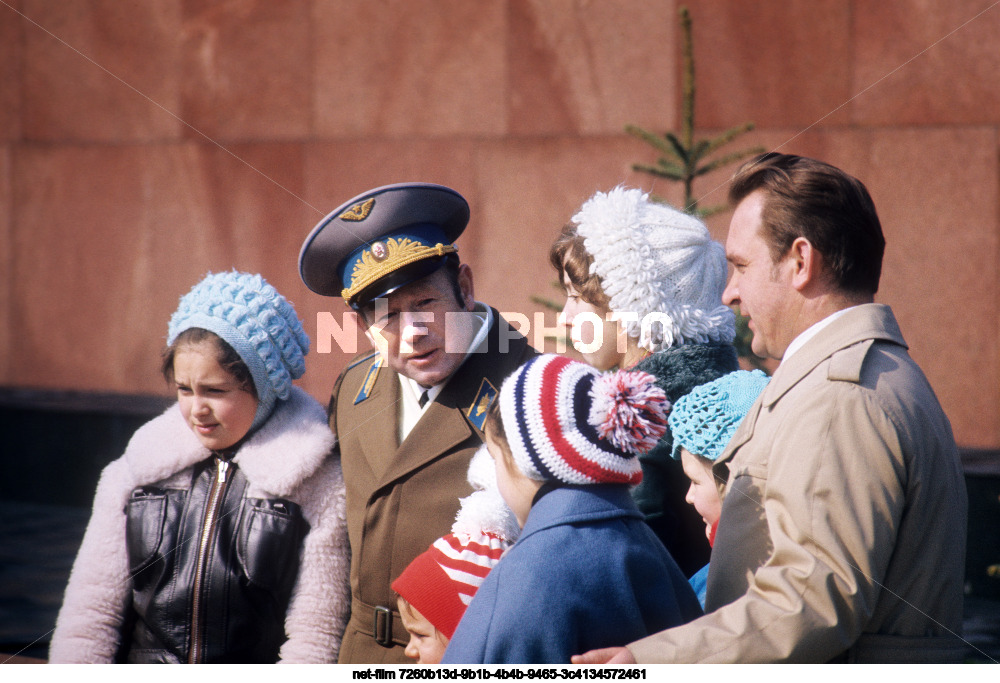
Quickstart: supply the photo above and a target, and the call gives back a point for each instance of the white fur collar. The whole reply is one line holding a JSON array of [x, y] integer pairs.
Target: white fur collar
[[287, 449]]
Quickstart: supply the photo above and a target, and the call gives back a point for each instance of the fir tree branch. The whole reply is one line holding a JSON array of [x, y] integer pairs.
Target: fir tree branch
[[666, 170], [729, 135], [687, 99], [682, 153], [661, 144], [728, 159]]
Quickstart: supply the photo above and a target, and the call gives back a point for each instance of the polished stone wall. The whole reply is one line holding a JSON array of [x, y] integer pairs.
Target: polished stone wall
[[146, 142]]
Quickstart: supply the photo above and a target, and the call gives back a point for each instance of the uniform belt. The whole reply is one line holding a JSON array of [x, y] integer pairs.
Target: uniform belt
[[380, 622]]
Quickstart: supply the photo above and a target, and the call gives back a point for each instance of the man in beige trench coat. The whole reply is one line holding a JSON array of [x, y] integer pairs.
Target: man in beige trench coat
[[842, 535], [408, 416]]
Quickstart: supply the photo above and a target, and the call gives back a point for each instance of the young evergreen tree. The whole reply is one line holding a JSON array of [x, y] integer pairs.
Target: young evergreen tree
[[682, 159]]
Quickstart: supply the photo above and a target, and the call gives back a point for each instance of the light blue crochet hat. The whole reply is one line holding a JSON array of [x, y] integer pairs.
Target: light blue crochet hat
[[704, 420], [260, 325]]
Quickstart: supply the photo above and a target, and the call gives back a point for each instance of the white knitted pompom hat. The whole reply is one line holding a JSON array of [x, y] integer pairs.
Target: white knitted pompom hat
[[657, 265]]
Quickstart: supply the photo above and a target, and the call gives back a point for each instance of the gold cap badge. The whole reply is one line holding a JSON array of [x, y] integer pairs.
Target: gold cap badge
[[386, 257], [358, 212]]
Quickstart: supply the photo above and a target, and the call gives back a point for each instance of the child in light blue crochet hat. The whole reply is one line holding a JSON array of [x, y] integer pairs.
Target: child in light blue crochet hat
[[702, 423], [255, 322], [219, 535]]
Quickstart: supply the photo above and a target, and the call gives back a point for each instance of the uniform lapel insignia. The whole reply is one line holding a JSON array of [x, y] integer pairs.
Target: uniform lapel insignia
[[370, 377], [481, 403]]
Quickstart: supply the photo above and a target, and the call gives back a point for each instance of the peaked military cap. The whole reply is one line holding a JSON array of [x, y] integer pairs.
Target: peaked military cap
[[381, 240]]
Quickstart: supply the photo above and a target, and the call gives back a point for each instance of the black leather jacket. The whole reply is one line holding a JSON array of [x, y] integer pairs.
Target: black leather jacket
[[212, 570]]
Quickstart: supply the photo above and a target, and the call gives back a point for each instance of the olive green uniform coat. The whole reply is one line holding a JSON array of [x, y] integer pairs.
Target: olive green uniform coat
[[401, 497]]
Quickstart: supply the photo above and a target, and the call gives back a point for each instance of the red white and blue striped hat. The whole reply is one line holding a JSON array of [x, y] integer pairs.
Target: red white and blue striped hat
[[566, 421]]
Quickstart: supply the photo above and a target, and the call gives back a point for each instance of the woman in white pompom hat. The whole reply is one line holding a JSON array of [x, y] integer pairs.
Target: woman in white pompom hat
[[644, 286]]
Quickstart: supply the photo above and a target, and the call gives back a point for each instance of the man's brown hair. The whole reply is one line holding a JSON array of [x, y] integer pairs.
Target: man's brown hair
[[808, 198]]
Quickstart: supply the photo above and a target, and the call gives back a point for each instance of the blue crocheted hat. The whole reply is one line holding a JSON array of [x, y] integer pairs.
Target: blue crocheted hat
[[258, 322], [704, 420]]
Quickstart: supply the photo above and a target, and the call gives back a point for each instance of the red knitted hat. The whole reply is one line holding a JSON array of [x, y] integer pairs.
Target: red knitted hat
[[440, 582]]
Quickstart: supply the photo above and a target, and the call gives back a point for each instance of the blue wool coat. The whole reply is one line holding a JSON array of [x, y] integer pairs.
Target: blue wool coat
[[585, 573]]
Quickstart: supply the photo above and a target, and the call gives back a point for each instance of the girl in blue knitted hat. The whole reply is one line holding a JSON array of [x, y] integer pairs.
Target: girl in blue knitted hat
[[702, 423], [218, 536]]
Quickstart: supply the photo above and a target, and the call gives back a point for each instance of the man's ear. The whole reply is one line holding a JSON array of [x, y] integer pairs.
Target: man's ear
[[465, 284], [806, 263], [376, 310]]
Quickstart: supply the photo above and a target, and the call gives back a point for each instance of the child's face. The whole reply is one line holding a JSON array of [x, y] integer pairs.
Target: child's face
[[213, 404], [427, 644], [517, 490], [702, 494]]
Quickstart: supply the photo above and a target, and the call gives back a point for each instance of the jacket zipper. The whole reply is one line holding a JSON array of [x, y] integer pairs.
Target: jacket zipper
[[207, 533]]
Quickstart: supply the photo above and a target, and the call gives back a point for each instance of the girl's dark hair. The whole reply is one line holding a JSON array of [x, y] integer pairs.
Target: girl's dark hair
[[224, 354], [568, 255], [494, 431]]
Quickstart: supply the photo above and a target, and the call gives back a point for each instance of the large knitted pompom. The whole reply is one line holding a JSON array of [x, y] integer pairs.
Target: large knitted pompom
[[629, 410], [484, 510]]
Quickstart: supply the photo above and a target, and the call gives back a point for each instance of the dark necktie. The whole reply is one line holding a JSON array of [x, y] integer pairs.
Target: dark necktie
[[423, 398]]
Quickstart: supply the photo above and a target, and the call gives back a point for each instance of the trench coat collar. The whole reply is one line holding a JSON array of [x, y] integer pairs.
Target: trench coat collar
[[861, 323]]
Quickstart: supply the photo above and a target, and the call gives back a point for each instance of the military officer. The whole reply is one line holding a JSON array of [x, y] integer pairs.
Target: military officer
[[409, 414]]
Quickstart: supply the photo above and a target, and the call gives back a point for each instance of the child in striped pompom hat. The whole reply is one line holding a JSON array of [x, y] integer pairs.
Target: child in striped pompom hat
[[435, 588], [586, 571]]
